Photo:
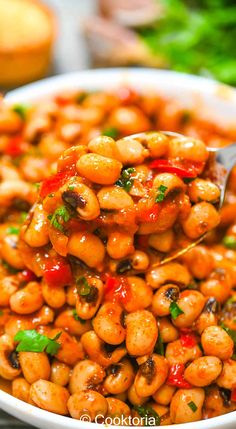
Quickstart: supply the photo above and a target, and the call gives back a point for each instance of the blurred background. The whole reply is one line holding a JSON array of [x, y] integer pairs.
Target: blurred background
[[39, 38]]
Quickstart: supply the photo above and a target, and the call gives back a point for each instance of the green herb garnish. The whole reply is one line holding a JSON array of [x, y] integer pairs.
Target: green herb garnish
[[175, 311], [77, 318], [81, 97], [83, 286], [126, 181], [229, 241], [61, 215], [23, 217], [192, 406], [149, 414], [159, 346], [37, 185], [110, 132], [21, 110], [13, 230], [161, 194], [230, 332], [71, 187], [31, 341]]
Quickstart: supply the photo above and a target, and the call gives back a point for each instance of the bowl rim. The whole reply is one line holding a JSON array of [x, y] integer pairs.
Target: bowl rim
[[89, 79]]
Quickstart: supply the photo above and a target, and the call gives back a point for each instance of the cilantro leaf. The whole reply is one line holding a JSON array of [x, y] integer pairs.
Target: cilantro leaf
[[230, 332], [21, 110], [161, 194], [192, 406], [148, 412], [229, 241], [159, 346], [175, 310], [126, 181], [110, 132], [83, 286], [31, 341], [60, 215], [13, 230]]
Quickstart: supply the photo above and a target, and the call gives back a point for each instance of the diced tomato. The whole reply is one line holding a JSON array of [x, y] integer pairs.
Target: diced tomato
[[183, 169], [57, 273], [26, 276], [176, 377], [188, 339], [53, 183], [233, 395], [62, 100], [15, 146], [150, 215], [117, 289]]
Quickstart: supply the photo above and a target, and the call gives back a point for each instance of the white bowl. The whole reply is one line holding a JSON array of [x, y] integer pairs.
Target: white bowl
[[211, 99]]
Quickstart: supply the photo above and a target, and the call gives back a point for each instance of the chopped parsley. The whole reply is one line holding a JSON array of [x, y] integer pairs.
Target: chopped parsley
[[175, 311], [83, 286], [161, 194], [159, 346], [37, 185], [13, 230], [61, 215], [229, 241], [23, 216], [126, 181], [21, 110], [71, 187], [192, 406], [31, 341], [77, 318], [110, 132], [147, 412]]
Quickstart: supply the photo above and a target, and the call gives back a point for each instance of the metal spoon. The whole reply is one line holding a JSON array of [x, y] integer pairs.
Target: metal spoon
[[225, 159]]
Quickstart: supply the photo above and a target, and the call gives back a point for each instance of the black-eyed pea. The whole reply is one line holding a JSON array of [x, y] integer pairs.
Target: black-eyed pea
[[203, 190], [163, 242], [82, 199], [134, 398], [163, 298], [188, 148], [60, 373], [10, 121], [10, 251], [117, 409], [50, 396], [151, 375], [18, 323], [99, 169], [71, 295], [120, 377], [36, 233], [142, 332], [120, 244], [162, 411], [105, 146], [108, 323], [218, 285], [17, 189], [9, 364], [21, 389], [164, 394], [172, 272], [199, 261], [55, 297], [91, 403], [217, 342], [171, 182], [35, 366], [202, 218], [114, 198], [87, 306], [140, 294], [203, 371], [69, 320], [28, 299], [86, 375], [139, 260], [129, 120], [228, 376], [167, 330], [43, 317], [8, 286], [191, 302], [87, 247], [177, 353], [209, 315], [180, 407], [96, 349], [131, 151], [71, 350], [157, 143]]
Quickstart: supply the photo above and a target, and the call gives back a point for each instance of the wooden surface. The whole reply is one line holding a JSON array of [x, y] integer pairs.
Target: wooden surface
[[70, 55]]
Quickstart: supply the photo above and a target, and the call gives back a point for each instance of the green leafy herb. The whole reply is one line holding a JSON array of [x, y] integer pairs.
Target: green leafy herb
[[175, 311], [21, 110], [13, 230], [37, 185], [147, 413], [71, 187], [229, 241], [126, 181], [23, 217], [159, 346], [192, 406], [230, 332], [81, 97], [161, 194], [61, 215], [110, 132], [83, 287], [31, 341], [77, 318]]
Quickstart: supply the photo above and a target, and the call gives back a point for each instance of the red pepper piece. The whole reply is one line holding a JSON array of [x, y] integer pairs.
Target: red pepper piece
[[57, 273], [116, 289], [176, 377], [188, 340], [182, 169], [233, 395], [15, 146], [26, 276], [150, 215], [53, 183]]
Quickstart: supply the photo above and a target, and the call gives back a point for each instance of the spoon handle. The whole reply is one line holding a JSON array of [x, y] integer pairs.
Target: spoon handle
[[227, 156]]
